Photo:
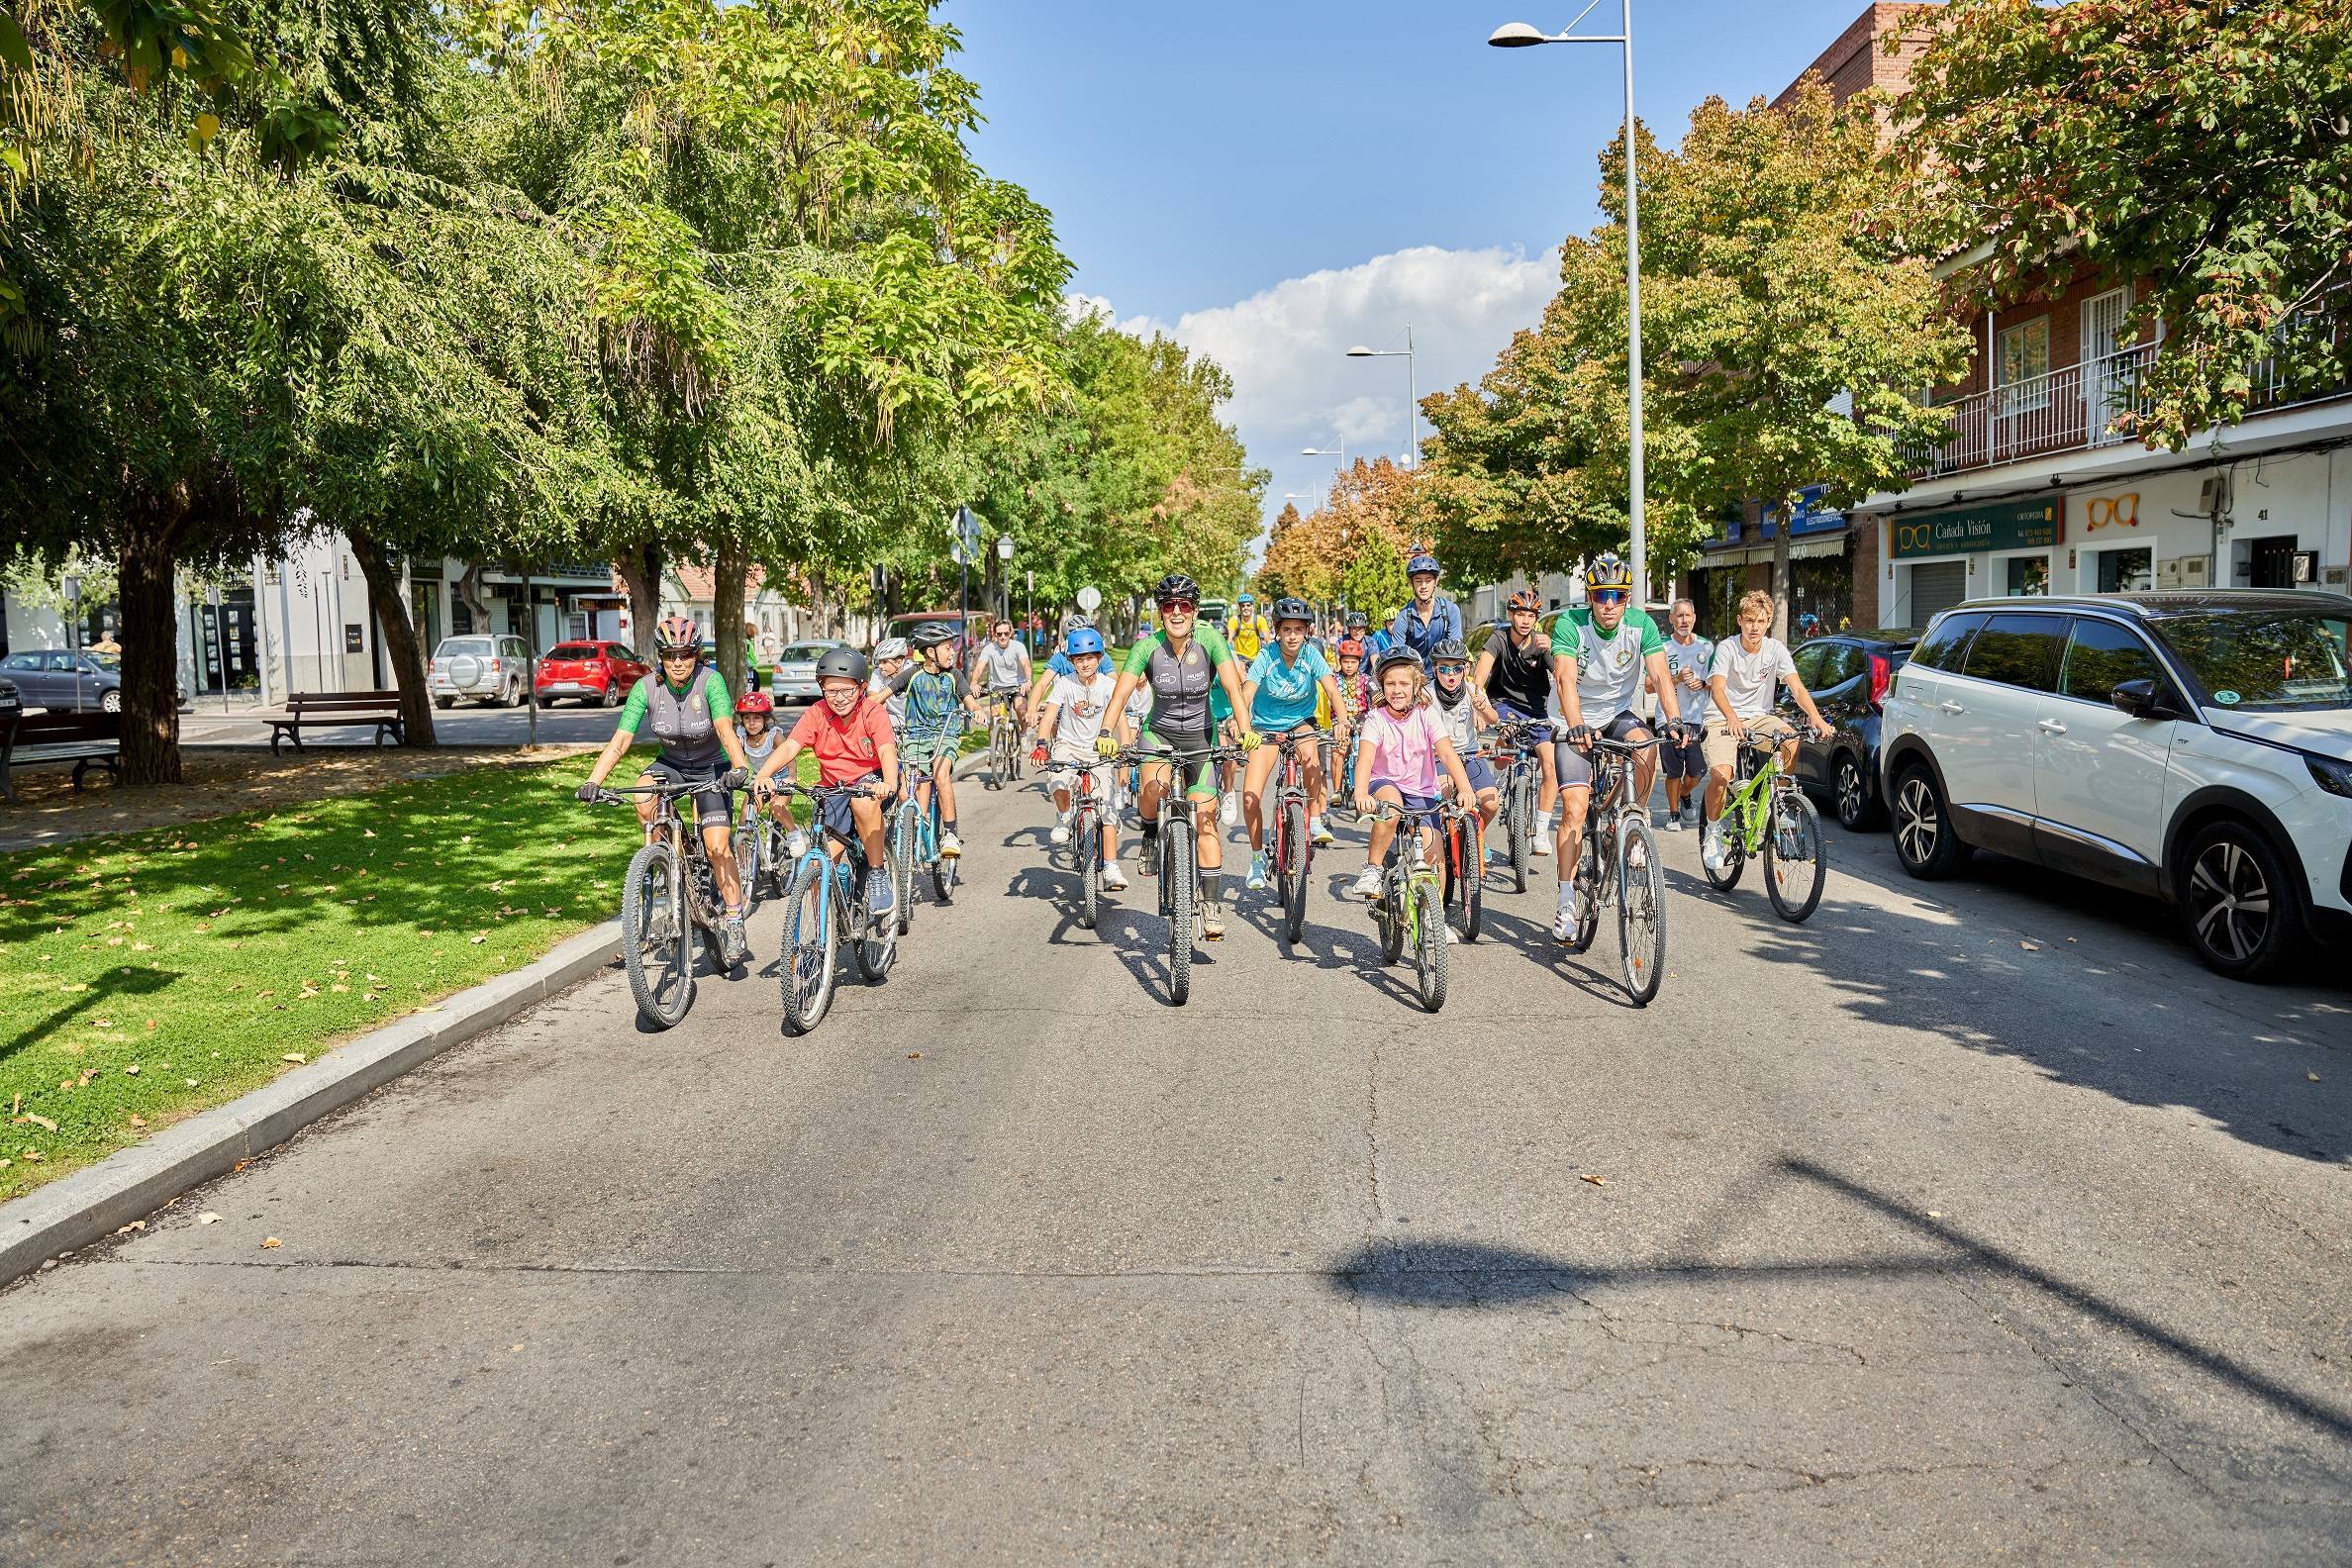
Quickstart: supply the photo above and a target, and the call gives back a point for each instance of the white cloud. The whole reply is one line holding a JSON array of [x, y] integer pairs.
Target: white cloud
[[1286, 347]]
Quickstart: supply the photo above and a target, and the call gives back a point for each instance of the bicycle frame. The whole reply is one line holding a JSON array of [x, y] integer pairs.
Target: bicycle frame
[[668, 828], [1754, 785]]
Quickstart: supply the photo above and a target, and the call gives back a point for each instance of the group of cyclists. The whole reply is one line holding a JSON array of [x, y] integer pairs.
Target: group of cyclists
[[1403, 711]]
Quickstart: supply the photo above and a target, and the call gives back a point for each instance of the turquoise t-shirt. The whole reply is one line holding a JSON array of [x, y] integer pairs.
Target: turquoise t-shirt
[[1285, 691]]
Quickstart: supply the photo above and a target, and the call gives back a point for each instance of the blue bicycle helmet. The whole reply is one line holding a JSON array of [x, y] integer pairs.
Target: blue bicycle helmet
[[1084, 640], [1424, 562]]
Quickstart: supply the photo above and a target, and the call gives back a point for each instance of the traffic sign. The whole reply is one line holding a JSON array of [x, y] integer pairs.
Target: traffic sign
[[1090, 598]]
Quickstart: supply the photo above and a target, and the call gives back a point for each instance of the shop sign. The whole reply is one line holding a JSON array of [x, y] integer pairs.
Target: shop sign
[[2110, 511], [2011, 524]]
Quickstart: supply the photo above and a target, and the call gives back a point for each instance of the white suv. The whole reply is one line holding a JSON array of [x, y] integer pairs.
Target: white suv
[[496, 670], [2196, 748]]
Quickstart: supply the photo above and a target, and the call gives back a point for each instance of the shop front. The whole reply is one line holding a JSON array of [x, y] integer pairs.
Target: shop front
[[1935, 559]]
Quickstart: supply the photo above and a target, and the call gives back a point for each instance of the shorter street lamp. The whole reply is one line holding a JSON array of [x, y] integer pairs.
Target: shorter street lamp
[[1005, 573]]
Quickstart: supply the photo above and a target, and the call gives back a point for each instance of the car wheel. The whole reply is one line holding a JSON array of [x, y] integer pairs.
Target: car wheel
[[612, 693], [111, 701], [444, 704], [2238, 901], [1924, 840], [1856, 811]]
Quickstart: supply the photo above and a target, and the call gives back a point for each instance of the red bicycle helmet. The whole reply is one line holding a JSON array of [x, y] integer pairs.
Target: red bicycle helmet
[[1525, 598], [1349, 647], [755, 702]]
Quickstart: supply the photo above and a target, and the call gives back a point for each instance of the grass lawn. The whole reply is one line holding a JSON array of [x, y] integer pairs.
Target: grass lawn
[[152, 974]]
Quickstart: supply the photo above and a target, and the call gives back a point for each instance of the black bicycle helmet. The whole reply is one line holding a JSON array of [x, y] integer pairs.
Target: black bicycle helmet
[[931, 635], [1293, 608], [1395, 657], [843, 663], [1179, 587], [1450, 648]]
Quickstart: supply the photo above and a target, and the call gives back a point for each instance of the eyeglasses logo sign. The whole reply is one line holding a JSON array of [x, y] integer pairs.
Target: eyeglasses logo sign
[[2122, 511], [1913, 536]]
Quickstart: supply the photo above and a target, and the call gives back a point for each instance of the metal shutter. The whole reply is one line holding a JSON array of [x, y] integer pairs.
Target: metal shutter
[[1936, 587]]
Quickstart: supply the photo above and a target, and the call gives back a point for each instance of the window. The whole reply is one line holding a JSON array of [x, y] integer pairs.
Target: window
[[2028, 576], [1808, 660], [22, 662], [1947, 642], [1845, 660], [65, 662], [574, 650], [2126, 571], [2104, 655], [2019, 650], [2025, 357], [2272, 660]]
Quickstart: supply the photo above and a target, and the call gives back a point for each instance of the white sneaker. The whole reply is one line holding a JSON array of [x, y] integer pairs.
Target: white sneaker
[[950, 846], [1319, 834], [1060, 833], [1673, 822], [1113, 878], [1564, 924], [1231, 811], [1367, 884], [1710, 850]]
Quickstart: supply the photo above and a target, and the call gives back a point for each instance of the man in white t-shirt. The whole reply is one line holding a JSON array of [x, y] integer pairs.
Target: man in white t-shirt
[[1689, 660], [1741, 684], [1076, 708]]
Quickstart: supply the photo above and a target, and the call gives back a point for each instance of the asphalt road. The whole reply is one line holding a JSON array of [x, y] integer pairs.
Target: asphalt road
[[1964, 1223]]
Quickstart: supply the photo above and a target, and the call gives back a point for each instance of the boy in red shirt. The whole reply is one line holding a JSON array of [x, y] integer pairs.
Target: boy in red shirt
[[849, 733]]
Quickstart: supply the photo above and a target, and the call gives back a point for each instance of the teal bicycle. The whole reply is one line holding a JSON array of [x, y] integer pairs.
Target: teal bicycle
[[1766, 816], [826, 907], [915, 830]]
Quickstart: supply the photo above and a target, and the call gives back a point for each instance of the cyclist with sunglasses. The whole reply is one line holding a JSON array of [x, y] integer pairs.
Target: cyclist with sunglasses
[[687, 704], [1602, 651], [1180, 664], [1515, 671]]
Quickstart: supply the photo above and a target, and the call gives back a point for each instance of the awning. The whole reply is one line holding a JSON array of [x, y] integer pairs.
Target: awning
[[1761, 554]]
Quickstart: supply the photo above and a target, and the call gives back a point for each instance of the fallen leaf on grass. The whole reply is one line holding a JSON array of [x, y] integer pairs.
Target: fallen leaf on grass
[[208, 1218], [138, 1121], [133, 1069], [272, 1243], [41, 1122], [292, 1056], [1597, 1181]]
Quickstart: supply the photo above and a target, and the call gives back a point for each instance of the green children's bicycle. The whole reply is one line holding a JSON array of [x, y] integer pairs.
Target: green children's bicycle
[[1767, 815]]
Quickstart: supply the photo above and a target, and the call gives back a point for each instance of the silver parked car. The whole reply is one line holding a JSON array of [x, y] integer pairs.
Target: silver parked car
[[794, 676], [492, 670]]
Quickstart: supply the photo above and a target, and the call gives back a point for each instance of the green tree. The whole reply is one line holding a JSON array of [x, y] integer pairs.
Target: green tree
[[2196, 150]]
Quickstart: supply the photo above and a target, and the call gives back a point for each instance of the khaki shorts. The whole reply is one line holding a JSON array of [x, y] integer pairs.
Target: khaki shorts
[[1724, 752]]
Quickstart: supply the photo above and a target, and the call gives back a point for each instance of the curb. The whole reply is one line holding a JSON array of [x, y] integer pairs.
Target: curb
[[133, 1183]]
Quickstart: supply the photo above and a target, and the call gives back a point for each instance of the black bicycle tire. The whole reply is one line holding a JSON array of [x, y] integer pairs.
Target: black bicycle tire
[[1429, 956], [1808, 818], [633, 958], [1643, 973], [746, 849], [802, 1012], [1086, 835], [1473, 878], [1734, 850], [875, 955], [1293, 881], [1519, 827], [943, 869], [1176, 870], [1587, 852], [1391, 914], [902, 863]]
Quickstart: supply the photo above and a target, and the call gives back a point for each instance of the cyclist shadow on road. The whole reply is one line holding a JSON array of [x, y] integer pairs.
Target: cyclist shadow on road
[[1134, 933], [1591, 972], [1352, 947]]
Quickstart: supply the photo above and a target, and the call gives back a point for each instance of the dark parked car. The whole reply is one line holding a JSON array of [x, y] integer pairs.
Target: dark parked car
[[1849, 674], [66, 680]]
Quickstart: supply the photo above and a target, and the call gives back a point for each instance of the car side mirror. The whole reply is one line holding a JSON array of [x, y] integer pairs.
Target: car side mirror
[[2141, 699]]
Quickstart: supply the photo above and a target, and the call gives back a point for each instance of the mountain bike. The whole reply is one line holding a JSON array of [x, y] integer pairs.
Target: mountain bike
[[1619, 860], [826, 905], [1522, 769], [1086, 838], [1179, 864], [1767, 815], [1293, 850], [667, 895], [1004, 741], [1465, 866], [915, 829], [759, 853], [1411, 909]]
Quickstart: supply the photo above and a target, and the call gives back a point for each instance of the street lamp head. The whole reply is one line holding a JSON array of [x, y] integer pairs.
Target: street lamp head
[[1003, 546], [1516, 34], [1359, 351]]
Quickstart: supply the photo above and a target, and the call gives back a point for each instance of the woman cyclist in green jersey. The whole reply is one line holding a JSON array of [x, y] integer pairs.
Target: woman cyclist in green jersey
[[1179, 664], [693, 720]]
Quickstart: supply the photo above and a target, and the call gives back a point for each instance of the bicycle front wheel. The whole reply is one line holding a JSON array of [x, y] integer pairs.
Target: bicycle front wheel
[[1735, 829], [1428, 943], [1641, 911], [943, 866], [1588, 882], [1086, 839], [1291, 858], [875, 943], [657, 938], [1796, 861], [1519, 825], [805, 967], [901, 867], [1466, 847], [1176, 871]]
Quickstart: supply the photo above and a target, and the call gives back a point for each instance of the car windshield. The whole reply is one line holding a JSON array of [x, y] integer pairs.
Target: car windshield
[[478, 646], [112, 663], [804, 652], [573, 650], [2275, 660]]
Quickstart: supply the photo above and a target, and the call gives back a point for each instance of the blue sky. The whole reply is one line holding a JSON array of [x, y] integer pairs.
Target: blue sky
[[1272, 182]]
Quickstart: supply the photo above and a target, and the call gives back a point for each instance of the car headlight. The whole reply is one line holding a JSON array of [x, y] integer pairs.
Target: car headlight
[[2329, 774]]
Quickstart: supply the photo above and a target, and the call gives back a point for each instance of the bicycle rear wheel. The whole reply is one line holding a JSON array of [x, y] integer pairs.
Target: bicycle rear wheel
[[943, 866], [805, 968], [1394, 911], [1519, 825], [1429, 944], [746, 857], [1468, 839], [1735, 829], [1588, 879], [657, 938], [1292, 857], [901, 867], [1178, 890], [874, 946], [1641, 911], [1086, 838], [1796, 862]]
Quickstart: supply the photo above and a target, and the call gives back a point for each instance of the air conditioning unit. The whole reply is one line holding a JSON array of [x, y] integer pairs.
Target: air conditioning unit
[[2212, 494]]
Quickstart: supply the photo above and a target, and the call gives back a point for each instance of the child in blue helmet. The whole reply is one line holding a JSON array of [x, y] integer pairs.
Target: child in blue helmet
[[1076, 711]]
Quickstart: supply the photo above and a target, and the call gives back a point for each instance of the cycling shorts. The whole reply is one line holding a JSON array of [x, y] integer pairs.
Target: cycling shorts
[[1482, 773], [713, 806], [1576, 767], [1188, 753], [1511, 715]]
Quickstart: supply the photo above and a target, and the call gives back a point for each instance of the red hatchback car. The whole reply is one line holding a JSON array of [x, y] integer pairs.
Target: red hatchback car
[[594, 672]]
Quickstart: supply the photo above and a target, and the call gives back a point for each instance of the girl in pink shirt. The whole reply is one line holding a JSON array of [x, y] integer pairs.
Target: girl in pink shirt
[[1399, 752]]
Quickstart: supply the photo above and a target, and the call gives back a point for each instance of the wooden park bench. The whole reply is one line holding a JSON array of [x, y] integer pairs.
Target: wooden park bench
[[328, 710], [85, 739]]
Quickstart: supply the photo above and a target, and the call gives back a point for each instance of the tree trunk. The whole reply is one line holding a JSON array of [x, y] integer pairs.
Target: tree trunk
[[726, 609], [150, 641], [1780, 573], [639, 565], [401, 651]]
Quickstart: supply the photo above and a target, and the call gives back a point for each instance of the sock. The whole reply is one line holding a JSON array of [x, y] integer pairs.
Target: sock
[[1567, 895], [1210, 884], [948, 826]]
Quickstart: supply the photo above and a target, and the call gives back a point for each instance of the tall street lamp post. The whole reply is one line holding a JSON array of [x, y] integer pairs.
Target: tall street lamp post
[[1412, 392], [1519, 35], [1005, 570]]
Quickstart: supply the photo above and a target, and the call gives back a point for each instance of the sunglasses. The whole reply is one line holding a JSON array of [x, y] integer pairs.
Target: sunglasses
[[1171, 606], [1607, 596]]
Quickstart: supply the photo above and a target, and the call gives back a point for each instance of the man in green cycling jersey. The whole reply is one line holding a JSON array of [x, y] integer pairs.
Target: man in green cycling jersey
[[1602, 651], [1181, 663], [688, 707]]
